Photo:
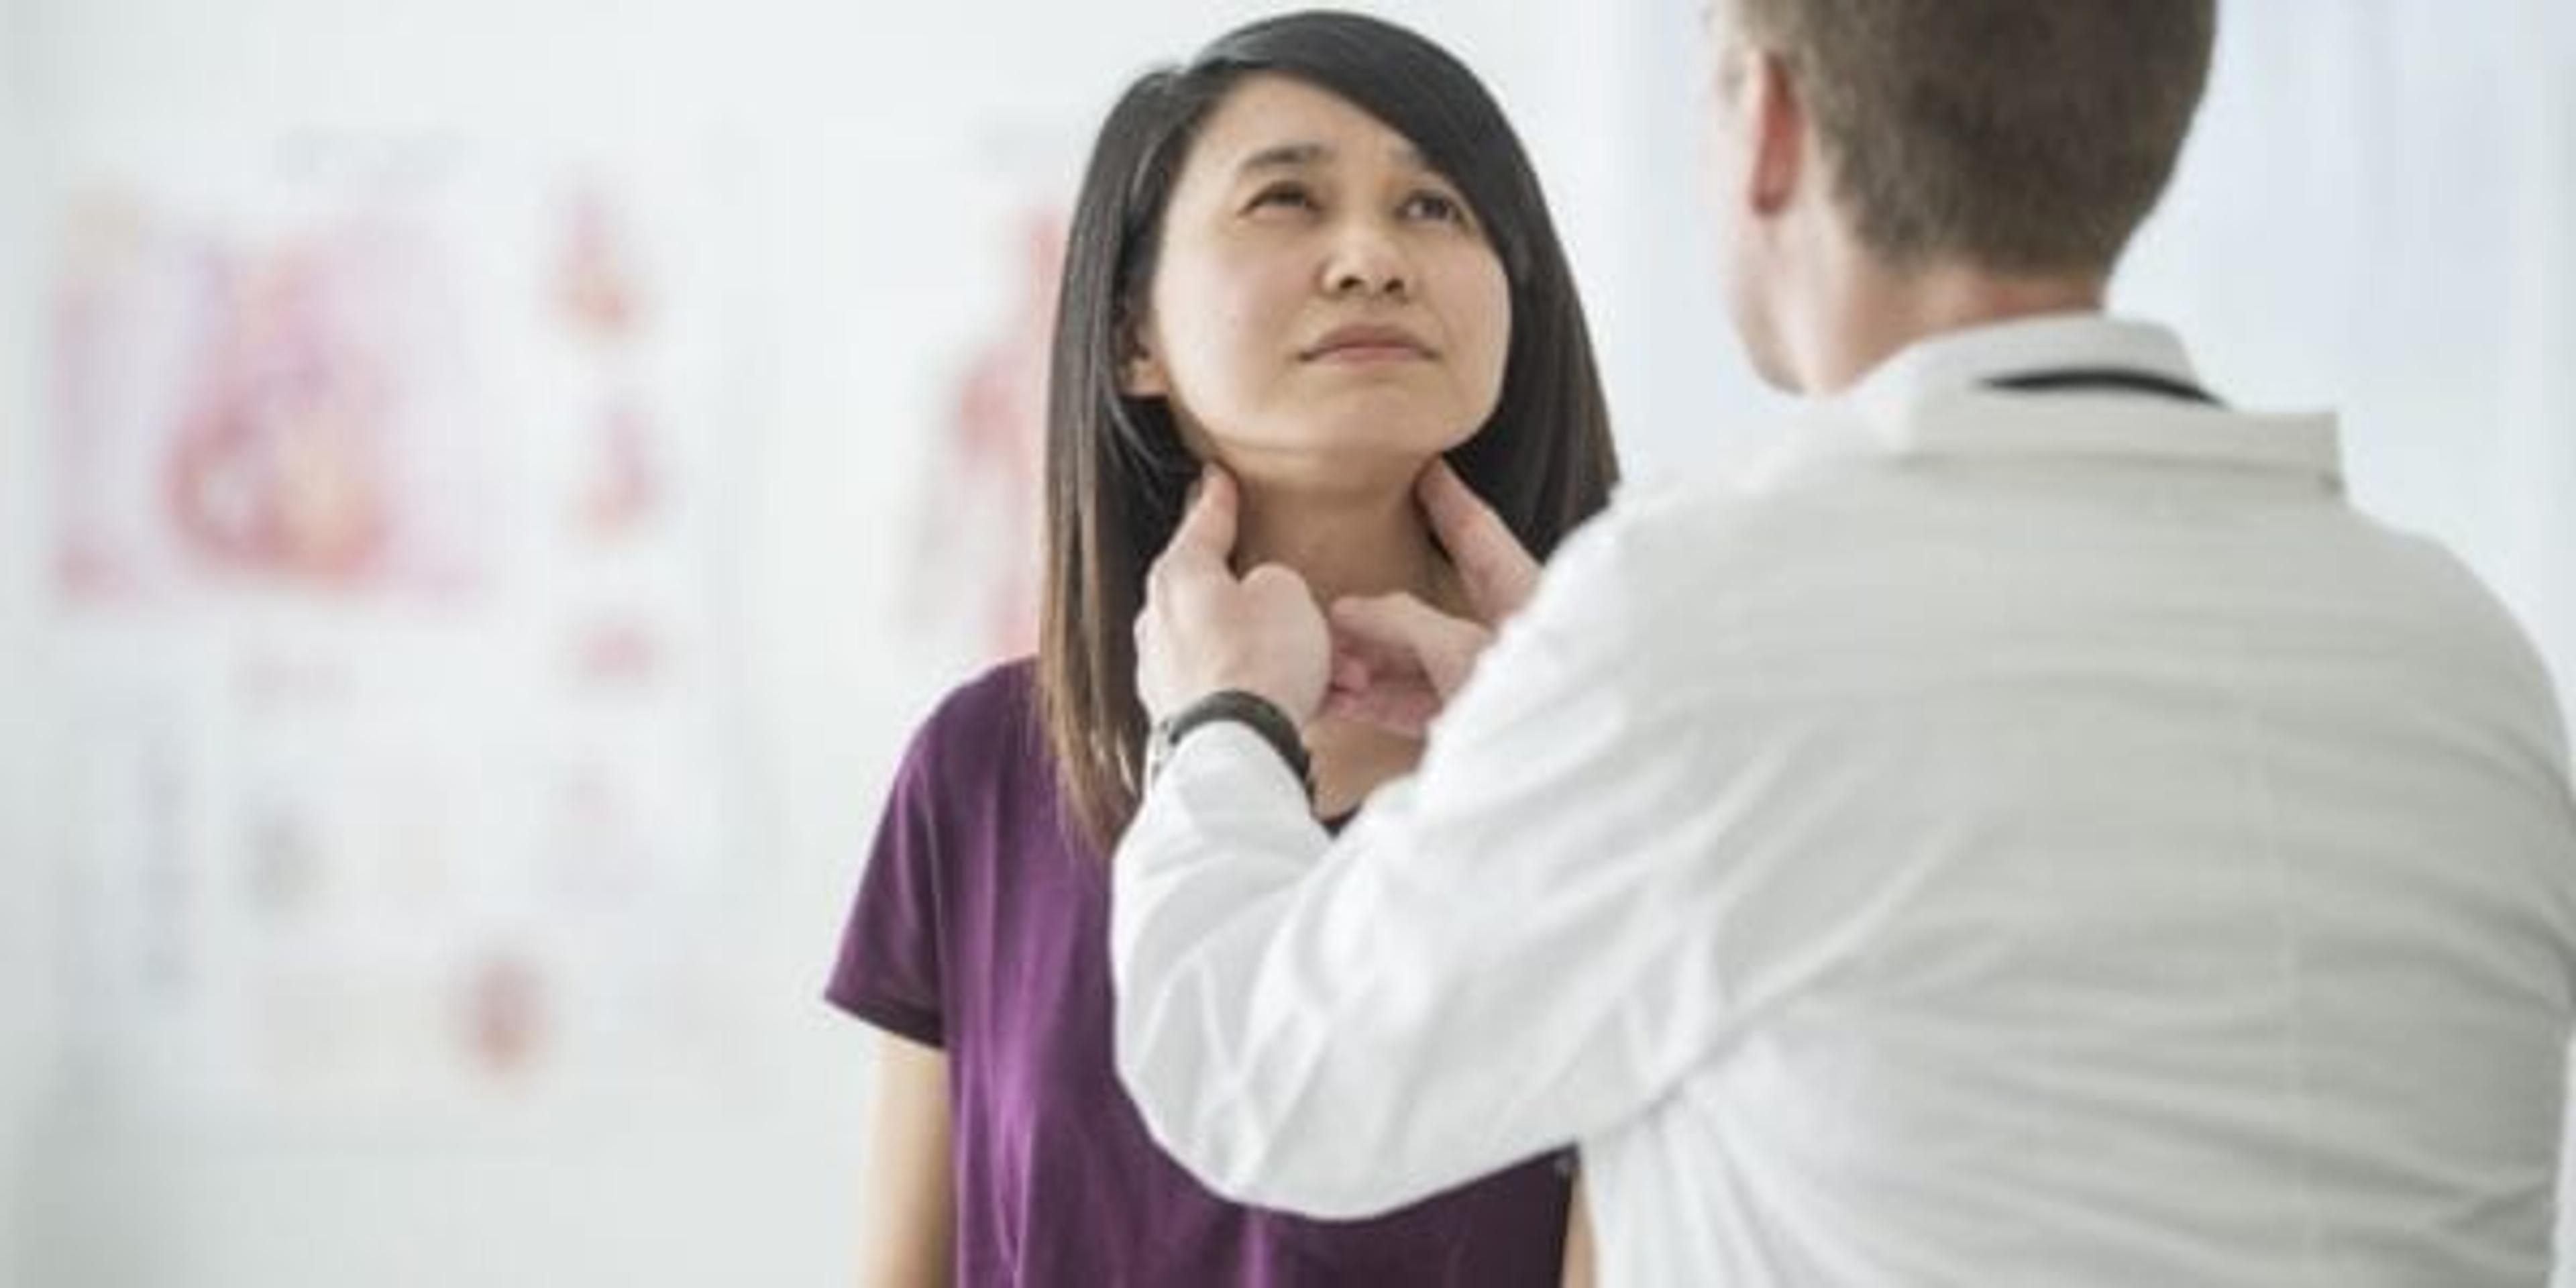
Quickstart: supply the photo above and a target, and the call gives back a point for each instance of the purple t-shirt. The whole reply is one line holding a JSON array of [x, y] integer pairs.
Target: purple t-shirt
[[982, 927]]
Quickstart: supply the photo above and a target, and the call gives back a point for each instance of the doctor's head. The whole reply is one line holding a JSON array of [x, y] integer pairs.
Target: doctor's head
[[2006, 140]]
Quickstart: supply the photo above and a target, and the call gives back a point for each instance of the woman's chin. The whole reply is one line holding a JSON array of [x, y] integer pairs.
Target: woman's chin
[[1353, 467], [1352, 447]]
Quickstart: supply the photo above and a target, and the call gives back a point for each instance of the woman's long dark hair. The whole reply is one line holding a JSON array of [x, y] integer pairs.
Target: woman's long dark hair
[[1116, 471]]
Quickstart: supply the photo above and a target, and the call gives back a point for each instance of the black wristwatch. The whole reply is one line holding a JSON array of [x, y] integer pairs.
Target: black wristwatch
[[1259, 713]]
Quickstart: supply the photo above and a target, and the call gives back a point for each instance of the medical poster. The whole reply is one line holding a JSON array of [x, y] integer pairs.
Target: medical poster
[[387, 544]]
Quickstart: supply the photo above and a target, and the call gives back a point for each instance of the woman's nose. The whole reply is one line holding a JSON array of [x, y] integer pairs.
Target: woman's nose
[[1366, 260]]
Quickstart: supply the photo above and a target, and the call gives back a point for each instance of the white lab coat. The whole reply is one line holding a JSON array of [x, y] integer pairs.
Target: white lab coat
[[2021, 838]]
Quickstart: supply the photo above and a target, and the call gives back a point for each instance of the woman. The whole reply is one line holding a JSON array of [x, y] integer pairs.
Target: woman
[[1317, 257]]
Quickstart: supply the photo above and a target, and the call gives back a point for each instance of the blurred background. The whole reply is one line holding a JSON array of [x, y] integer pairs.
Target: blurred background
[[487, 488]]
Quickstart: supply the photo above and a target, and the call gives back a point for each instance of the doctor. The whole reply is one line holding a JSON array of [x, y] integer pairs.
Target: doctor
[[2035, 833]]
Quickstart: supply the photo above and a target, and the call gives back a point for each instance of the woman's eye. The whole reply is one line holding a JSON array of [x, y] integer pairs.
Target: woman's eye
[[1284, 195], [1437, 206]]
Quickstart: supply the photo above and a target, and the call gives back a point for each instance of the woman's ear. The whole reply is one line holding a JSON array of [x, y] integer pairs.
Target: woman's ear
[[1140, 373]]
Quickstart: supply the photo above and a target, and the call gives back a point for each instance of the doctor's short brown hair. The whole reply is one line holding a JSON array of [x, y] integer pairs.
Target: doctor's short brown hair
[[2014, 135]]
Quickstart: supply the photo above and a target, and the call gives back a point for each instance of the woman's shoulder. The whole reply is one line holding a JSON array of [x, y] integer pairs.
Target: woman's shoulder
[[1002, 696], [982, 730]]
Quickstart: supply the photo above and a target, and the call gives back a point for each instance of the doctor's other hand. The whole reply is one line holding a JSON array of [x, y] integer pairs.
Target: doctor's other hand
[[1396, 659], [1203, 629]]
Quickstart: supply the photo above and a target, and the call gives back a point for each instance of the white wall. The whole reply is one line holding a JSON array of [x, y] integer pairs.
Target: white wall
[[26, 995]]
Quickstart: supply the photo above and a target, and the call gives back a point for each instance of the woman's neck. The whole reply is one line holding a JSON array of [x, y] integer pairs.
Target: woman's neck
[[1359, 539], [1348, 538]]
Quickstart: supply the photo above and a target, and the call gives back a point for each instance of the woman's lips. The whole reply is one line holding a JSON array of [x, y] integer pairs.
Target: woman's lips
[[1367, 344]]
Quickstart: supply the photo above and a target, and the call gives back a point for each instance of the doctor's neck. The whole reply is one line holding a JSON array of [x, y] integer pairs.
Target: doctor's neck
[[1857, 312]]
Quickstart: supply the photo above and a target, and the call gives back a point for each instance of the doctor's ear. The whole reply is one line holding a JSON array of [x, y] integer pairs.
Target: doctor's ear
[[1779, 114]]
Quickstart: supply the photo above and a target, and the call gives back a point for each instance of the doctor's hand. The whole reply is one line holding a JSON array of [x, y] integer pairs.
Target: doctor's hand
[[1396, 659], [1204, 629]]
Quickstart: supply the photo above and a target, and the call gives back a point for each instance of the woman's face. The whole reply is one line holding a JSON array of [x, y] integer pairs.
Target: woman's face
[[1322, 298]]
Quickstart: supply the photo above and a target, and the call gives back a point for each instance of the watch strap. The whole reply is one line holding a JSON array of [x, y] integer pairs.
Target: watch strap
[[1243, 707]]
